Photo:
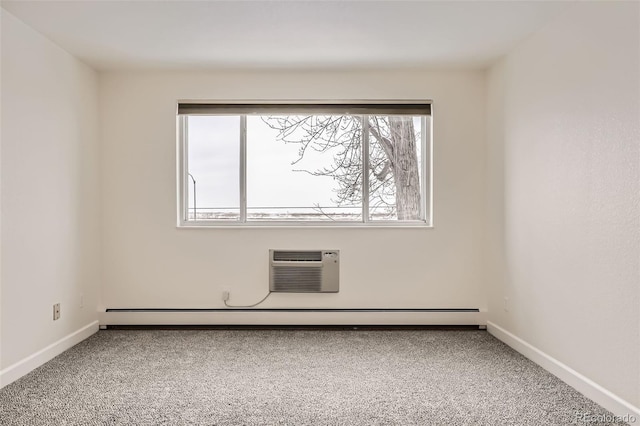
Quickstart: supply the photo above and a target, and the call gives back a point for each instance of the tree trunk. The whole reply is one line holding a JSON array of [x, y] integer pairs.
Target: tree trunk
[[405, 167]]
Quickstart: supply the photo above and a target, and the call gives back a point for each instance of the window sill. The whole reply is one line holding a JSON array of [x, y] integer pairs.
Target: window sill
[[299, 225]]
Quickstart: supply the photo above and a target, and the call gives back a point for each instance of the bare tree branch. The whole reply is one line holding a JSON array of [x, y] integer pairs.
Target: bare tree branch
[[394, 190]]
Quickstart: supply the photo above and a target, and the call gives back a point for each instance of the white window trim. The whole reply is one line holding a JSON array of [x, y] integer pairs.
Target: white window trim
[[183, 181]]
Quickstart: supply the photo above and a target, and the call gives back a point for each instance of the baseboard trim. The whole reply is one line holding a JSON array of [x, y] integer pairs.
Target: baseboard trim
[[30, 363], [582, 384], [292, 317]]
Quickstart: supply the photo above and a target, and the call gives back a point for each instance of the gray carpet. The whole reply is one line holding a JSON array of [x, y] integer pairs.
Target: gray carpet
[[293, 377]]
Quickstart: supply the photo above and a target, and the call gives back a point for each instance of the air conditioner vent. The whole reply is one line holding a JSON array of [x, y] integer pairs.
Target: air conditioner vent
[[297, 256], [304, 271], [297, 279]]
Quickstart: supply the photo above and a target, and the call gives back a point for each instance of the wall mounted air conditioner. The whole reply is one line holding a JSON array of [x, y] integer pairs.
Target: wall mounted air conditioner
[[304, 271]]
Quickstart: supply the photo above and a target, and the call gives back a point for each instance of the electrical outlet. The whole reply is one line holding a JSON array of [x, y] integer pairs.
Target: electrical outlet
[[506, 304], [225, 295], [56, 311], [81, 301]]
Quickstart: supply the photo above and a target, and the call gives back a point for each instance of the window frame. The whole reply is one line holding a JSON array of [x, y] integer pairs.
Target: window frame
[[241, 108]]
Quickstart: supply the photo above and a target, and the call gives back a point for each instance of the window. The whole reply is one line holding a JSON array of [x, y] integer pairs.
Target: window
[[324, 164]]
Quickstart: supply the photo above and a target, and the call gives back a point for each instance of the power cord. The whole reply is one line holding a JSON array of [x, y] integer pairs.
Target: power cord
[[226, 297]]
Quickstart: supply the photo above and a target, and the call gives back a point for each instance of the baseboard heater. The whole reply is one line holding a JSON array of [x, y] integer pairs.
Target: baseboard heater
[[290, 310], [292, 316]]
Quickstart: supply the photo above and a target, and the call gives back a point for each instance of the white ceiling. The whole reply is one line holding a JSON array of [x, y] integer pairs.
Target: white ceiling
[[175, 34]]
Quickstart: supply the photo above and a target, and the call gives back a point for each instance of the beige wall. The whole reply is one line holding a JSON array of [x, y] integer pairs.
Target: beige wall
[[148, 262], [564, 193], [537, 178], [50, 203]]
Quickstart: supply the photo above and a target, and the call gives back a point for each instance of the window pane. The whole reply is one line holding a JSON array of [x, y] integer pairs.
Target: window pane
[[395, 168], [214, 165], [304, 168]]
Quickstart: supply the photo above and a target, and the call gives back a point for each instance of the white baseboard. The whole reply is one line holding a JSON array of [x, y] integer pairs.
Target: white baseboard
[[292, 318], [582, 384], [30, 363]]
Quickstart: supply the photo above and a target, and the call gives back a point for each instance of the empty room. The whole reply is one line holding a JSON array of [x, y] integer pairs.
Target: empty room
[[320, 212]]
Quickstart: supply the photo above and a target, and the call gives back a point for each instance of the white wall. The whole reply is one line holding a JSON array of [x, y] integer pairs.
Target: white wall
[[149, 263], [564, 193], [50, 203], [562, 179]]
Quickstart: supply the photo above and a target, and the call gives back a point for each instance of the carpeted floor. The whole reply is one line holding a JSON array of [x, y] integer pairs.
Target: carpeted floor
[[293, 377]]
